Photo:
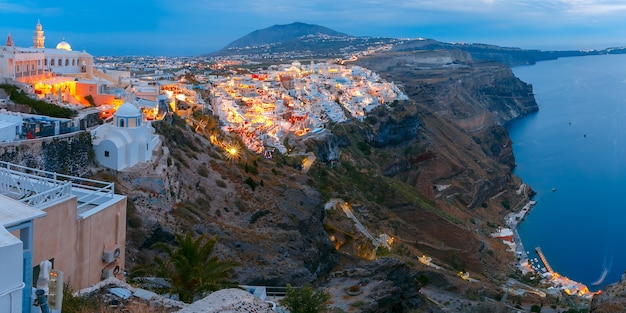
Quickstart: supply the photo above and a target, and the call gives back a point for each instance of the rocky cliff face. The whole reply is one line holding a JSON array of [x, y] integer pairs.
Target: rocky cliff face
[[612, 298], [447, 142], [71, 154], [265, 215], [434, 173], [471, 94], [385, 285]]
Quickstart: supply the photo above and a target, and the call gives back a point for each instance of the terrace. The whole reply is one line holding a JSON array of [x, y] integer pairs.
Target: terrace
[[40, 189]]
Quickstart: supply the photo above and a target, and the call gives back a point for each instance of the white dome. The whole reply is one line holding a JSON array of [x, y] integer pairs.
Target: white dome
[[127, 110], [63, 45]]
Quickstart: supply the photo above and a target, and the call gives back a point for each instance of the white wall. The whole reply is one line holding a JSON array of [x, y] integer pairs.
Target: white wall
[[11, 269]]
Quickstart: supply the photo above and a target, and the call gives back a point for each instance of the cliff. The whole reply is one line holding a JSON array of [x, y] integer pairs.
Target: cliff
[[612, 298], [70, 154], [432, 173]]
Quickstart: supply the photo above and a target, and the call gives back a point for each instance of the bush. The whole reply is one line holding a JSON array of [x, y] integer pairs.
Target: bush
[[39, 106], [305, 300], [250, 182], [73, 304], [364, 147]]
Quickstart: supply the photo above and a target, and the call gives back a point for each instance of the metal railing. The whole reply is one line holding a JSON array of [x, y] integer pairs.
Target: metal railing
[[37, 187]]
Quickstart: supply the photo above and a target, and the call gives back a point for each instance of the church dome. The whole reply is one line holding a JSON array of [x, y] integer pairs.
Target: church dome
[[127, 110], [63, 45]]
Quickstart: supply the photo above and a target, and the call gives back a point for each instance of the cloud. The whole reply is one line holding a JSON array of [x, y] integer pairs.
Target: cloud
[[21, 7]]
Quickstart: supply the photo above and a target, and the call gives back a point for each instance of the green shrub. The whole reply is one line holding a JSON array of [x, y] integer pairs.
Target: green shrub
[[39, 106]]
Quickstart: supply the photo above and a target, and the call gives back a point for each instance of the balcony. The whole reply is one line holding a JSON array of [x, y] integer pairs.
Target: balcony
[[40, 189]]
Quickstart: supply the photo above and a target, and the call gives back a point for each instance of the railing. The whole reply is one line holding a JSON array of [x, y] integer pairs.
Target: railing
[[37, 187], [275, 291]]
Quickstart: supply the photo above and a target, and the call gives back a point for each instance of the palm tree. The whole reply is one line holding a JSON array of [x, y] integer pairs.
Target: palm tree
[[191, 270]]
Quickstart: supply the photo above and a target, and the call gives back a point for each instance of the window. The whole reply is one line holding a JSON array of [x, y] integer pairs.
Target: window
[[52, 62], [106, 153], [67, 62], [121, 123], [73, 62], [45, 62], [60, 62]]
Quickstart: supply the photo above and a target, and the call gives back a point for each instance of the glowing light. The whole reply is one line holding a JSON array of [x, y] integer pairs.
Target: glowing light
[[232, 151]]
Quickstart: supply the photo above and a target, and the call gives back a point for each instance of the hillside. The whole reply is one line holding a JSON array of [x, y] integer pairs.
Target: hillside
[[301, 40], [281, 34], [298, 39], [432, 173]]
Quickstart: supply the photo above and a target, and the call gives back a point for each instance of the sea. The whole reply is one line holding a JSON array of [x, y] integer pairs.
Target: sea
[[572, 152]]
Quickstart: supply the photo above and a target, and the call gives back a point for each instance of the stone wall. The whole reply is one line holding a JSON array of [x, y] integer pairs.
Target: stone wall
[[70, 154]]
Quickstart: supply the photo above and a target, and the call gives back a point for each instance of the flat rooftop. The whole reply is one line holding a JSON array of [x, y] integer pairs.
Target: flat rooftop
[[13, 212], [39, 189]]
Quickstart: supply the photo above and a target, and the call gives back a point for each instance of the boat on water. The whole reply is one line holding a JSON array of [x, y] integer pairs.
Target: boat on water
[[602, 277], [553, 189]]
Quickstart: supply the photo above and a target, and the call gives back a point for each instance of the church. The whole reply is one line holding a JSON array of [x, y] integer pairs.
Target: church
[[28, 65], [126, 141]]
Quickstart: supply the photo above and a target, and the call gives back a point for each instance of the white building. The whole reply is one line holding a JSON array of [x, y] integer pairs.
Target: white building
[[69, 221], [126, 141], [10, 127], [15, 217], [34, 63]]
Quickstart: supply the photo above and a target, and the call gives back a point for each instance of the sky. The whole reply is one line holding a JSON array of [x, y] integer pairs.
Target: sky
[[195, 27]]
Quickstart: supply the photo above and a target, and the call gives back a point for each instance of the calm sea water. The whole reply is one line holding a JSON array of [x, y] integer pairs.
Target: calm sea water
[[576, 143]]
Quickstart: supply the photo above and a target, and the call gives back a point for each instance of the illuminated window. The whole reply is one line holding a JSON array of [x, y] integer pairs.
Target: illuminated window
[[106, 154]]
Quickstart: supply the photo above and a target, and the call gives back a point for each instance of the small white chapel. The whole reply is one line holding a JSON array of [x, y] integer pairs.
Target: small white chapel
[[126, 141]]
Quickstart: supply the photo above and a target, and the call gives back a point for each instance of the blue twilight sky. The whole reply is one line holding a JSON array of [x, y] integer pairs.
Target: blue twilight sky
[[193, 27]]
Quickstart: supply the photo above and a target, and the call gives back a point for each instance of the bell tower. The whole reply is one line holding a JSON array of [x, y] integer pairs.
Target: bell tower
[[38, 38], [9, 41]]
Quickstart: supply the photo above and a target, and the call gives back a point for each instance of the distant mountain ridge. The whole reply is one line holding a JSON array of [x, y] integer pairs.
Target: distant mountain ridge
[[301, 40], [281, 34]]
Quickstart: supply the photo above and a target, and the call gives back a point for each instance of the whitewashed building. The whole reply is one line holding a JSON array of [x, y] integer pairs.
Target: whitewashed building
[[76, 225], [34, 63], [126, 141], [15, 217]]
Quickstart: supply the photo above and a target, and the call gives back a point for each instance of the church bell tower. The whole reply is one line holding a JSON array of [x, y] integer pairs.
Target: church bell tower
[[38, 38]]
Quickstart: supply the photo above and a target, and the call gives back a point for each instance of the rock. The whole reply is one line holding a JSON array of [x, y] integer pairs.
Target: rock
[[390, 287]]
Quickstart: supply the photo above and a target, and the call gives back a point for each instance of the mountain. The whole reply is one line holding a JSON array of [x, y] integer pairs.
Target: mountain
[[299, 40], [282, 34]]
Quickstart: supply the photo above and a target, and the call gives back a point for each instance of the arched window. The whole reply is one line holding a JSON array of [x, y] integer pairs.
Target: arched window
[[73, 62], [67, 62], [45, 62], [60, 62], [122, 123], [52, 62]]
